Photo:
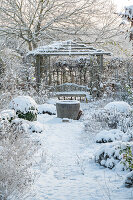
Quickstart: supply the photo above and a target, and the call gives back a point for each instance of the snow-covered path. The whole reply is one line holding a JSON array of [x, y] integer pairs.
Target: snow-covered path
[[73, 175]]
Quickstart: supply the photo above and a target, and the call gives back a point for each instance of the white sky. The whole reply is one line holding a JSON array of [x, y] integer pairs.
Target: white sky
[[121, 3]]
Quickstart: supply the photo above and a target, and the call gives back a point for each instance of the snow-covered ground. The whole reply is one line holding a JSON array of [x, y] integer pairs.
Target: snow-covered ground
[[68, 171]]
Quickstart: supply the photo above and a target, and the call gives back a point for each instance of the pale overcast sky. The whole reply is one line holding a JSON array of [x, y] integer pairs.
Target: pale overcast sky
[[121, 3]]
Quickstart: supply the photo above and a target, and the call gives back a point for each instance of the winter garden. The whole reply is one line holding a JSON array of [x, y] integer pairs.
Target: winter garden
[[66, 100]]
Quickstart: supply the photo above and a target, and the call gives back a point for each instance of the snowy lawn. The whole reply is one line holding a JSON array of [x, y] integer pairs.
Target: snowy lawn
[[68, 171]]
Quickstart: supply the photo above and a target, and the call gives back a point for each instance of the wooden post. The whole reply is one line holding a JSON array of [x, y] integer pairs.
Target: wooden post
[[45, 69], [58, 77], [85, 71], [53, 78], [42, 69], [75, 77], [70, 74], [49, 69], [101, 63], [64, 76], [61, 74], [38, 75], [80, 76]]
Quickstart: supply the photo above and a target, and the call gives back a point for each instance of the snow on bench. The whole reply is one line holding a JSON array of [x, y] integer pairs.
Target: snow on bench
[[72, 90]]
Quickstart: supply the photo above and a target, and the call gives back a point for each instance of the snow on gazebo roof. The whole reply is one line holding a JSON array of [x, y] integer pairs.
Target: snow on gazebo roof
[[67, 48]]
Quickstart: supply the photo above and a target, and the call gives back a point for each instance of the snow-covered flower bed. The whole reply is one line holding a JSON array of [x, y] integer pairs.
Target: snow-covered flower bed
[[116, 154], [109, 136], [47, 109], [113, 135], [25, 107]]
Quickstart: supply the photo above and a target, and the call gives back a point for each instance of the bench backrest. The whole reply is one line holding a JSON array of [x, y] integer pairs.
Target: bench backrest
[[67, 87]]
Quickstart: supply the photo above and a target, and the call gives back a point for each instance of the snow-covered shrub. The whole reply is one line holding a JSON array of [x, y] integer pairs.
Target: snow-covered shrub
[[25, 107], [23, 124], [109, 136], [7, 115], [16, 158], [129, 179], [28, 126], [127, 153], [118, 106], [128, 95], [47, 109], [36, 127], [116, 115], [114, 154], [119, 113], [108, 155]]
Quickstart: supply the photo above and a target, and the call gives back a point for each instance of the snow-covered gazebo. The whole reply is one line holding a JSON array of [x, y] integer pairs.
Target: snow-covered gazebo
[[43, 54]]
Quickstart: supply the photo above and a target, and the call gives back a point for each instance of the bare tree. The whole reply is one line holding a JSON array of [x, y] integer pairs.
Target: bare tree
[[33, 21], [97, 24]]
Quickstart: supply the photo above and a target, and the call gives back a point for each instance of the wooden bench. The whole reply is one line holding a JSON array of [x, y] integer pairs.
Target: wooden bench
[[71, 90]]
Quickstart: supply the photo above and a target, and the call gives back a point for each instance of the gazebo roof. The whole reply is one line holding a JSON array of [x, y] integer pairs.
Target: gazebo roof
[[67, 48]]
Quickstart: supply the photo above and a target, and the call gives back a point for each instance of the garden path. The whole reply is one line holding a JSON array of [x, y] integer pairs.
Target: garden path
[[72, 173]]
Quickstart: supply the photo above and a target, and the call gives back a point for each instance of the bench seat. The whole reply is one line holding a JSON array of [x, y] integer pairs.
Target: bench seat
[[73, 94]]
